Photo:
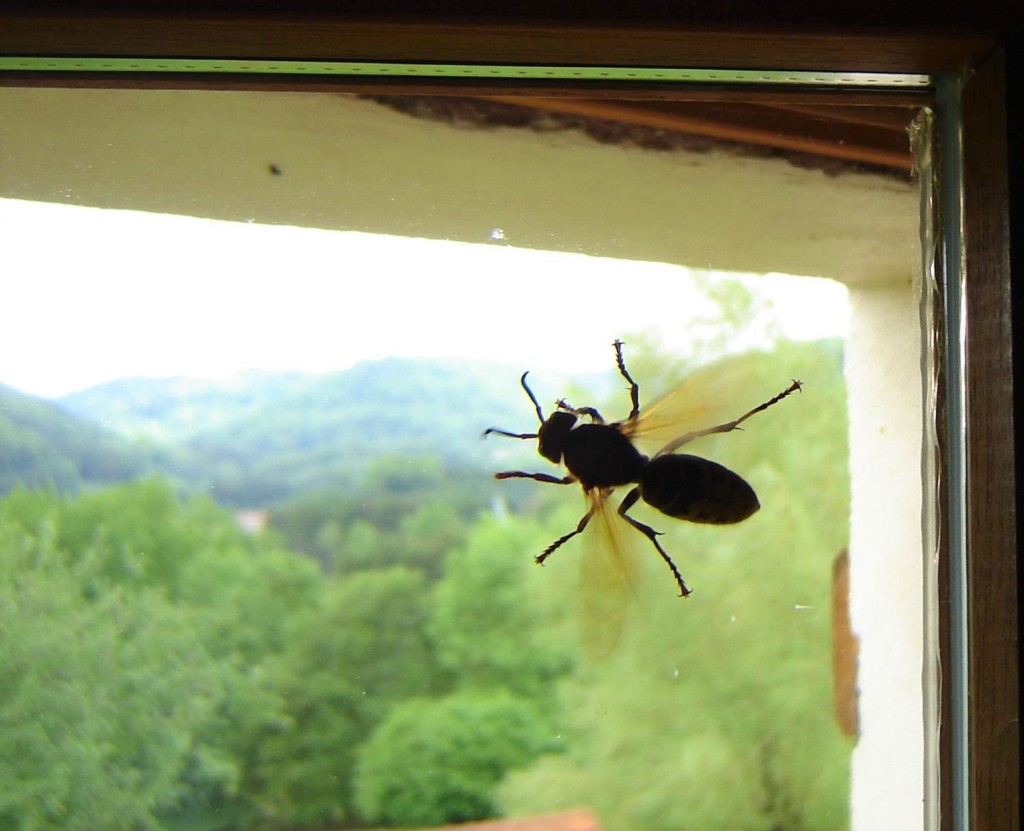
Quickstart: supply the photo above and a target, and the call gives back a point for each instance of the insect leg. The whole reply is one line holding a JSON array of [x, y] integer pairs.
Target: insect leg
[[634, 390], [595, 416], [728, 426], [652, 535], [540, 477], [796, 386], [498, 432], [540, 558]]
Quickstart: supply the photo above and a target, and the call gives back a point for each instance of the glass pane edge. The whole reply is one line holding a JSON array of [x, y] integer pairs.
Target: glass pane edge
[[872, 80]]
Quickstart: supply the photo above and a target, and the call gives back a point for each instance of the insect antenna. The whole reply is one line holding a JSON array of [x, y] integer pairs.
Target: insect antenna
[[536, 406], [533, 398]]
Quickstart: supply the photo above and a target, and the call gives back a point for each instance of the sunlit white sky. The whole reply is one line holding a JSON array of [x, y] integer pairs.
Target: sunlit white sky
[[90, 295]]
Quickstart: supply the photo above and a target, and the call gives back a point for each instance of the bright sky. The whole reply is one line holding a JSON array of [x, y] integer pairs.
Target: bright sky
[[89, 295]]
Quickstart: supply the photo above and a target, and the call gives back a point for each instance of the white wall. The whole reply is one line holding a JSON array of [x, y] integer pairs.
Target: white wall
[[884, 379]]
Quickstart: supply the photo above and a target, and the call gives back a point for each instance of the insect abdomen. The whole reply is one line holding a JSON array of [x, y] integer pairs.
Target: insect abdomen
[[696, 489]]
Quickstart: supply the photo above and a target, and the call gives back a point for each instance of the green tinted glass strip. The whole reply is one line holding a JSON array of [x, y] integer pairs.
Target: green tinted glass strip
[[475, 71]]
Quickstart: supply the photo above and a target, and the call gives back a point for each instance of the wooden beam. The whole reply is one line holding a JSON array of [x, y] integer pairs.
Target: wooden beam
[[758, 126], [993, 706], [452, 40]]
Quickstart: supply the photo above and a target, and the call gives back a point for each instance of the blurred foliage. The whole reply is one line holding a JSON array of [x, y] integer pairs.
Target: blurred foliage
[[348, 661], [722, 703], [489, 624], [101, 693], [438, 761], [158, 617], [410, 511], [388, 654]]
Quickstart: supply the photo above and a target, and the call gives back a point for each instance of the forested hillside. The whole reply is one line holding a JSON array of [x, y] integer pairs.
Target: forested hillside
[[260, 438], [176, 408], [43, 445], [387, 655]]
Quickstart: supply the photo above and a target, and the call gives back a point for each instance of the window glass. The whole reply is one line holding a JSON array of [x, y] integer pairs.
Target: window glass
[[249, 347]]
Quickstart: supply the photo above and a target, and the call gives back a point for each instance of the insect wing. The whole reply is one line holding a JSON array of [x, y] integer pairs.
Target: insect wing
[[608, 577], [712, 395]]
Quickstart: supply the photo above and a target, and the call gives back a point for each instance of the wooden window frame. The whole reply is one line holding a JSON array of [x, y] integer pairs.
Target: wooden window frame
[[992, 604]]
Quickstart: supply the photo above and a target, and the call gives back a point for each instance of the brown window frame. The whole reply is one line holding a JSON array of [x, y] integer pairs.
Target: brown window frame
[[977, 60]]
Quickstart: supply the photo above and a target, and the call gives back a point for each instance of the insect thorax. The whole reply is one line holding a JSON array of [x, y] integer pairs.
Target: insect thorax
[[600, 456]]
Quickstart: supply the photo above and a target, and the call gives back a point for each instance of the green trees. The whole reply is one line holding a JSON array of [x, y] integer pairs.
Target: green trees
[[348, 661], [131, 627], [102, 691], [438, 761], [493, 622], [177, 673], [409, 510]]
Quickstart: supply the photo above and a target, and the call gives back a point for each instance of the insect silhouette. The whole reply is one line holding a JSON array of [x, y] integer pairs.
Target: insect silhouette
[[602, 456]]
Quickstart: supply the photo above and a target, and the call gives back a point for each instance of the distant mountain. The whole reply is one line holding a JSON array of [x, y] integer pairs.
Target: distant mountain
[[258, 438], [176, 408], [42, 445], [325, 431]]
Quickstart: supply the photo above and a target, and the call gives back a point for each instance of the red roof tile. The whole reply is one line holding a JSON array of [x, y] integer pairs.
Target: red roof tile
[[581, 819]]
